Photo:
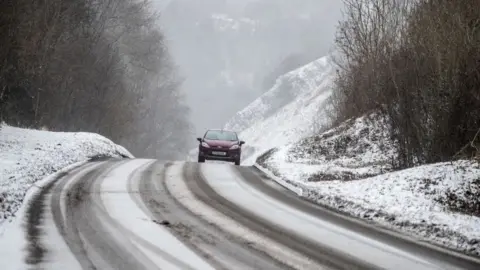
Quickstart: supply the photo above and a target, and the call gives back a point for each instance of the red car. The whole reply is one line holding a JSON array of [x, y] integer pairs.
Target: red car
[[221, 145]]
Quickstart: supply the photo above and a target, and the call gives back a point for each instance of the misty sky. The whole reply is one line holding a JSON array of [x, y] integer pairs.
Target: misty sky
[[230, 51]]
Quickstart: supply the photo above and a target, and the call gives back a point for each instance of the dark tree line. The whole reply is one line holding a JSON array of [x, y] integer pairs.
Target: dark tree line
[[418, 62], [92, 65]]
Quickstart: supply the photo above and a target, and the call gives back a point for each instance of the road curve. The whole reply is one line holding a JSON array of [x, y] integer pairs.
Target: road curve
[[147, 214]]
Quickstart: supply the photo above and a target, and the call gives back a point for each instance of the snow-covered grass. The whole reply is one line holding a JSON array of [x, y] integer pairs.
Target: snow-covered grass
[[27, 156], [353, 150], [349, 168], [294, 108]]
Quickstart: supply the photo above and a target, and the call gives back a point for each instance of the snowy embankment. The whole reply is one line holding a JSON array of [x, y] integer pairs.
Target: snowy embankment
[[27, 156], [349, 169], [294, 108]]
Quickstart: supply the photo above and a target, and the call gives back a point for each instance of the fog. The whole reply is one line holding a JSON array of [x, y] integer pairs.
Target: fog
[[229, 52]]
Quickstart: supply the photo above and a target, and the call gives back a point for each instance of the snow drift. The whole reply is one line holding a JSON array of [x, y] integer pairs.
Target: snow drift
[[27, 156], [294, 108], [350, 169]]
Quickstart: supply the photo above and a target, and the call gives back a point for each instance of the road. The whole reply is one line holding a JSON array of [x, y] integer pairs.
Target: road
[[147, 214]]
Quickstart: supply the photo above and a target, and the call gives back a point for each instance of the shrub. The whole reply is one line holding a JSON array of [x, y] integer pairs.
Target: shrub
[[417, 62]]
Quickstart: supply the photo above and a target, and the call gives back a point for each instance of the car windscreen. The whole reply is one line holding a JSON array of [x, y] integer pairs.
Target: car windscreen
[[220, 135]]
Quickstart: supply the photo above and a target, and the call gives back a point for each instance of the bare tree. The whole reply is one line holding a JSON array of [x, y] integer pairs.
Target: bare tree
[[89, 65], [416, 62]]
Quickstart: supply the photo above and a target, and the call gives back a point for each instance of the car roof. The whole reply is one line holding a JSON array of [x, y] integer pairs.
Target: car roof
[[222, 130], [218, 129]]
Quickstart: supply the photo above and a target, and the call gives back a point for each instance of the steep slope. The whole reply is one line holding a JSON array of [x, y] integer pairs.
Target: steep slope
[[294, 108]]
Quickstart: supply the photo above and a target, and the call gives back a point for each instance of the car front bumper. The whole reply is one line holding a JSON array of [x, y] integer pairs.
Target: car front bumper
[[212, 154]]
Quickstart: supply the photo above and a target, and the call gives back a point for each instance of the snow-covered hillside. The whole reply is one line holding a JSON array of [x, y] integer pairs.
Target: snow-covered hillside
[[349, 169], [294, 108], [27, 156]]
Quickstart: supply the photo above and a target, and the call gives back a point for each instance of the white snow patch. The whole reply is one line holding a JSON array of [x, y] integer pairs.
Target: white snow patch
[[27, 156]]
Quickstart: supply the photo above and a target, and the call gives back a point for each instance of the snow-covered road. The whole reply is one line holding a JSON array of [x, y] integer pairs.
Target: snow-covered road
[[146, 214]]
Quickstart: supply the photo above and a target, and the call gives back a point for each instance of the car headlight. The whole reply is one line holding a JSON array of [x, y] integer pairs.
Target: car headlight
[[204, 144], [234, 147]]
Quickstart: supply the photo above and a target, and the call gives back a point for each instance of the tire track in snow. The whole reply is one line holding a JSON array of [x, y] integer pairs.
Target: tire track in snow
[[312, 251], [221, 249], [105, 236], [35, 213], [136, 194], [84, 218], [343, 248], [153, 196], [64, 216], [212, 211], [85, 211]]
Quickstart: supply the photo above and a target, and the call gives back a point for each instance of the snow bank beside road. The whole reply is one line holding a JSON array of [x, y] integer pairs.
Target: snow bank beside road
[[349, 169], [27, 156]]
